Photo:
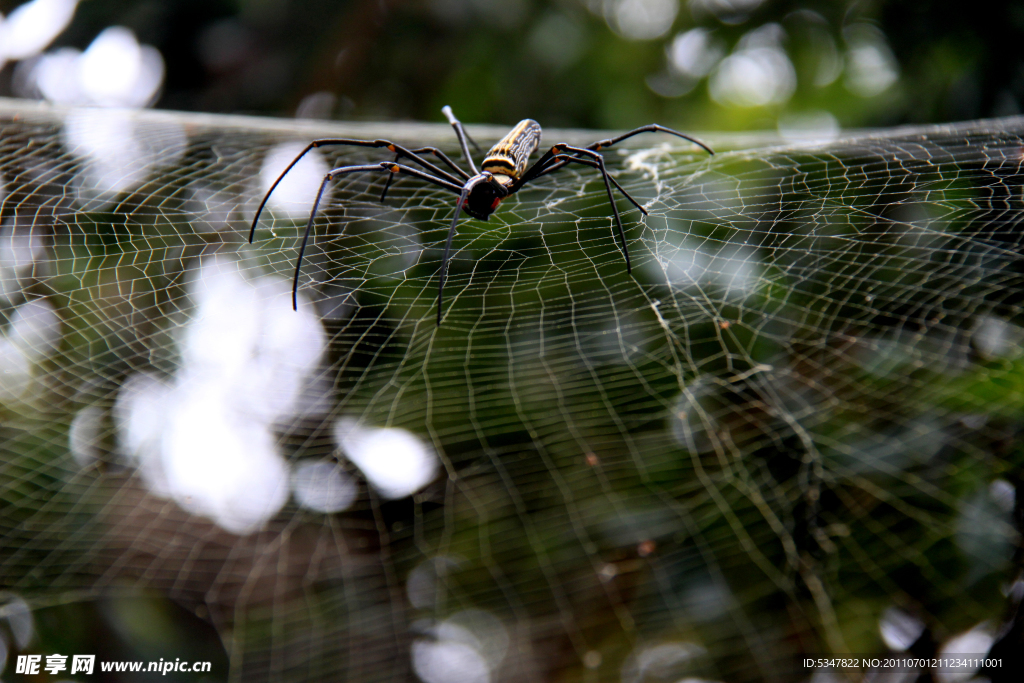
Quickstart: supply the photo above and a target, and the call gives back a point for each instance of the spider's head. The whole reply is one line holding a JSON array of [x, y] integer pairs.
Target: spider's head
[[485, 192]]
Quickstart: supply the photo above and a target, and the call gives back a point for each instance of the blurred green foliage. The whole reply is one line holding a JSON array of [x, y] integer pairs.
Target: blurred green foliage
[[702, 64]]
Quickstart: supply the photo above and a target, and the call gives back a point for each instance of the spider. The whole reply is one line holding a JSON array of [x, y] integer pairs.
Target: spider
[[503, 172]]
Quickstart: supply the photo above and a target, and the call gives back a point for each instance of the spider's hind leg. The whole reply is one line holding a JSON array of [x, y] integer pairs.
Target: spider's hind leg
[[651, 128]]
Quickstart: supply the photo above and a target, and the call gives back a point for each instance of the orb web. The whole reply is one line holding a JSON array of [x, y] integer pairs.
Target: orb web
[[793, 430]]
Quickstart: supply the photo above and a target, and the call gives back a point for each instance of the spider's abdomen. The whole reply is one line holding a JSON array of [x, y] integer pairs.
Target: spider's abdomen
[[511, 154]]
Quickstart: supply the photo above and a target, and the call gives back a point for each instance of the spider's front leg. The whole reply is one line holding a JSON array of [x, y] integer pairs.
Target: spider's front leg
[[383, 166], [424, 150], [399, 151], [460, 133]]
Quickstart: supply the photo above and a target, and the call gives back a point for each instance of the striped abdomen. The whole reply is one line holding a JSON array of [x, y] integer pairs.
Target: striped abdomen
[[510, 156]]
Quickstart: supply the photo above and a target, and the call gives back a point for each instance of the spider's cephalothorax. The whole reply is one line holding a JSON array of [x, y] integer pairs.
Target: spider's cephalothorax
[[504, 171], [485, 193]]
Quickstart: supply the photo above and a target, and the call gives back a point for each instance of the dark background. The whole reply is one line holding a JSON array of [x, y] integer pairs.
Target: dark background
[[564, 63]]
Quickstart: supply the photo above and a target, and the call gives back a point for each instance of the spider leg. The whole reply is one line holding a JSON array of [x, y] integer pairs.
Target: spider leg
[[329, 142], [460, 133], [546, 160], [587, 162], [601, 144], [389, 166], [448, 248], [426, 150], [652, 128], [555, 158], [387, 183], [443, 157]]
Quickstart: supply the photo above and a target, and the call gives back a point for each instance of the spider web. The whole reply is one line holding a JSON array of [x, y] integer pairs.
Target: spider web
[[792, 431]]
